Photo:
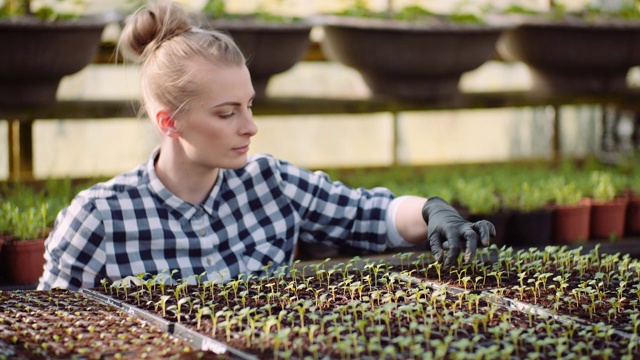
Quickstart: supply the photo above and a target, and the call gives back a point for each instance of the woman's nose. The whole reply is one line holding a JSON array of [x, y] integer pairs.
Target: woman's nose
[[249, 126]]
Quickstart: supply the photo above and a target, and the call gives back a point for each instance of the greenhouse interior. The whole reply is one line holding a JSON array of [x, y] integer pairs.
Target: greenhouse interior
[[320, 179]]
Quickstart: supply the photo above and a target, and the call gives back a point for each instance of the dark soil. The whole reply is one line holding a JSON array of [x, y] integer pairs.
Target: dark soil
[[60, 324], [589, 286], [365, 314]]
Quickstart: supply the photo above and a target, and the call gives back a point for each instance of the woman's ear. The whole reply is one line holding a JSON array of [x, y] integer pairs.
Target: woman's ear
[[166, 123]]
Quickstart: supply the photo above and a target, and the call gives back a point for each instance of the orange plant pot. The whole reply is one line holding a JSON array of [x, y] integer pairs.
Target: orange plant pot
[[24, 260], [571, 222], [607, 219]]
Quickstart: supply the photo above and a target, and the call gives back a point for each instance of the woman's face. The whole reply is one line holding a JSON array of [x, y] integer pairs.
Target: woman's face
[[216, 129]]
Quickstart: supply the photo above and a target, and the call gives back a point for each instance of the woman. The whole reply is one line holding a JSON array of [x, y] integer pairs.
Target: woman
[[201, 204]]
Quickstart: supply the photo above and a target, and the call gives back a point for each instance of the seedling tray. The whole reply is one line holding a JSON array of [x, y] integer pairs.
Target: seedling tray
[[587, 287], [61, 324], [198, 341], [154, 320], [521, 306], [373, 312]]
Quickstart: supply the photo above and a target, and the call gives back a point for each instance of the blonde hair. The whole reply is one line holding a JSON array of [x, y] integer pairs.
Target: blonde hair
[[161, 37]]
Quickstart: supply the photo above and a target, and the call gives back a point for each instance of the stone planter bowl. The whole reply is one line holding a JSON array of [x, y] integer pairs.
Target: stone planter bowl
[[270, 48], [574, 56], [36, 55], [406, 60]]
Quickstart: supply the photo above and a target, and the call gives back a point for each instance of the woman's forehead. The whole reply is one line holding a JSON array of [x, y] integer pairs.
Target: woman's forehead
[[221, 80]]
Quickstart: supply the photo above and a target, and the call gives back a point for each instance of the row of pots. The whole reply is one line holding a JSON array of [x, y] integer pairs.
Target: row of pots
[[559, 224], [550, 225], [567, 224], [397, 59]]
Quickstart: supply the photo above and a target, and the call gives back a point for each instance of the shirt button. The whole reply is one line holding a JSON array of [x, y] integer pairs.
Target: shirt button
[[208, 261], [202, 233]]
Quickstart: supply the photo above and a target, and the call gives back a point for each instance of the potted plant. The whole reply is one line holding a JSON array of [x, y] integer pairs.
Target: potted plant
[[271, 43], [632, 222], [531, 220], [587, 51], [40, 47], [27, 214], [572, 211], [411, 53], [23, 252], [607, 210]]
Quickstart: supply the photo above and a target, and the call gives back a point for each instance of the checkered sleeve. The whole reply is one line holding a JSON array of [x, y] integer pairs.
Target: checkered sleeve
[[75, 257], [336, 213]]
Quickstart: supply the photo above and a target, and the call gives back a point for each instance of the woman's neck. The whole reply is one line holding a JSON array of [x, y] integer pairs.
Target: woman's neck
[[189, 182]]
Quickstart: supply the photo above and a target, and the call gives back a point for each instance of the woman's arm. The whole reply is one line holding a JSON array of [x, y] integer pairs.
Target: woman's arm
[[409, 222]]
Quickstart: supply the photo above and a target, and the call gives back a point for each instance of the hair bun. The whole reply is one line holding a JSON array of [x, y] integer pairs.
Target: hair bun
[[151, 25]]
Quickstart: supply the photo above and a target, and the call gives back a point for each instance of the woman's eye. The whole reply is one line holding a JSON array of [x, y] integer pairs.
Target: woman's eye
[[227, 115]]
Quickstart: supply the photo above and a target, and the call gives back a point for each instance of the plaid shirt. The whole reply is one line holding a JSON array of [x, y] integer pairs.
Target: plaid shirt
[[253, 217]]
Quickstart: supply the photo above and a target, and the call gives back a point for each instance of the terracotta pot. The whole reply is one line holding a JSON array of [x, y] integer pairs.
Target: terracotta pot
[[500, 220], [405, 60], [571, 222], [24, 260], [607, 219], [527, 229], [632, 221]]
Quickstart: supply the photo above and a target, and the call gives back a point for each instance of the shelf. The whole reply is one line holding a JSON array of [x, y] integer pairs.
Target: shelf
[[105, 109], [21, 118]]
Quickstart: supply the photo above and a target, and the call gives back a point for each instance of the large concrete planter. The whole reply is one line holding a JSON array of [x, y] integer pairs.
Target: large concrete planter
[[270, 47], [36, 55], [409, 60], [574, 56]]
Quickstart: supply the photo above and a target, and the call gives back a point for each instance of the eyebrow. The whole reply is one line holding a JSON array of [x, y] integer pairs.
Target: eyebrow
[[234, 103]]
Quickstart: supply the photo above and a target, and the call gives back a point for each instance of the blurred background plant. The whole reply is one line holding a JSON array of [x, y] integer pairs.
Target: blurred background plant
[[47, 10], [28, 211]]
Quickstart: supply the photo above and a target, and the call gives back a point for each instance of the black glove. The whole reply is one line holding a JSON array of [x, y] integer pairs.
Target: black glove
[[448, 230]]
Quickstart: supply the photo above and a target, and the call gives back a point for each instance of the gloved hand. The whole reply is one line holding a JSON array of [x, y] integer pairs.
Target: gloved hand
[[448, 230]]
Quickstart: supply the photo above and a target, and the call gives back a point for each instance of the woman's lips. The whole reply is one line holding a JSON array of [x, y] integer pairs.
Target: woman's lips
[[241, 149]]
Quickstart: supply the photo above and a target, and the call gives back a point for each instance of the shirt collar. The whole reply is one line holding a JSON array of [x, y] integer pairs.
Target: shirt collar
[[208, 205], [184, 208]]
